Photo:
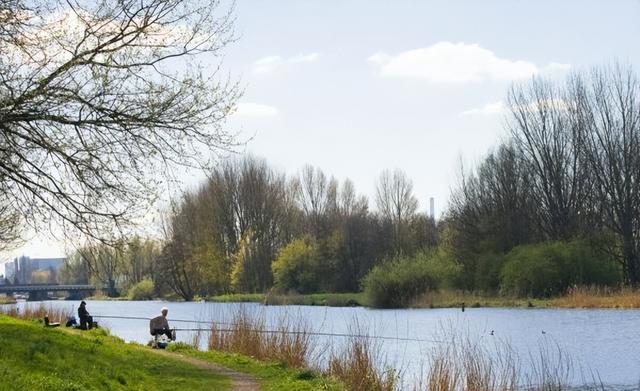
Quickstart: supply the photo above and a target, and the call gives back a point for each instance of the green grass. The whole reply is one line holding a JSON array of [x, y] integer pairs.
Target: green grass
[[320, 299], [454, 299], [273, 376], [36, 358]]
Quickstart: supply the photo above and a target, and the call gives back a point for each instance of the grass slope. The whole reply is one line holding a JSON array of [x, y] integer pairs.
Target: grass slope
[[36, 358], [273, 376]]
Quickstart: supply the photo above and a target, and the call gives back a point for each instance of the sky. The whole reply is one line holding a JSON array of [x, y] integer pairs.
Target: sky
[[356, 87]]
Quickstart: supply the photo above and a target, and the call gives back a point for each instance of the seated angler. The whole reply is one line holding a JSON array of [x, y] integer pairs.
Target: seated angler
[[86, 320], [160, 326]]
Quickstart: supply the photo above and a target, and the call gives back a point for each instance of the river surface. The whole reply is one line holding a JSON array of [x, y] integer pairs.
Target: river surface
[[602, 344]]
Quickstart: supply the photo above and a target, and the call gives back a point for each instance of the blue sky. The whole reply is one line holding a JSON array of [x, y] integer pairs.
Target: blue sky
[[354, 87]]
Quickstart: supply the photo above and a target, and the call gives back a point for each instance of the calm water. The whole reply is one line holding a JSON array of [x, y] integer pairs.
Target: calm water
[[604, 344]]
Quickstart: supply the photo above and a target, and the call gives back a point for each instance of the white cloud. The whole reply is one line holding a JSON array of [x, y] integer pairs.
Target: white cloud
[[267, 64], [272, 63], [447, 62], [304, 58], [255, 110], [488, 109]]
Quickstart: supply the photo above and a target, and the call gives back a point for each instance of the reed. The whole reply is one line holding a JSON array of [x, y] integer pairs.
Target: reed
[[286, 342], [291, 343], [36, 312], [7, 300], [358, 367], [599, 297], [462, 364]]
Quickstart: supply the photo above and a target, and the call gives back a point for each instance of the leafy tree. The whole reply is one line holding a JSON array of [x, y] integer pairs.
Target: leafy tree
[[550, 268], [296, 268], [399, 282]]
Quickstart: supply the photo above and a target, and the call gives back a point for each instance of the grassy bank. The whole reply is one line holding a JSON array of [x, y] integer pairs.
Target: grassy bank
[[581, 297], [36, 358], [7, 300], [321, 299], [456, 299]]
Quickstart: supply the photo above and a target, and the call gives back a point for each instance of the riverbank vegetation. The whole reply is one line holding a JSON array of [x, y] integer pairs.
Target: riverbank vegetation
[[7, 300], [284, 355], [552, 208], [39, 358]]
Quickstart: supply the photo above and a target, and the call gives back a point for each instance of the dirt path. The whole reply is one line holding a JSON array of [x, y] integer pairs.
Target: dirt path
[[240, 381]]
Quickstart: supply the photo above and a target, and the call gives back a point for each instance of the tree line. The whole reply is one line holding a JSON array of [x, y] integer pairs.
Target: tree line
[[569, 171], [554, 205], [250, 228]]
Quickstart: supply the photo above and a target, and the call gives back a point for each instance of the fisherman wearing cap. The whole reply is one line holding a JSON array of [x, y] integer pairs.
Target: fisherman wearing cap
[[86, 320], [160, 326]]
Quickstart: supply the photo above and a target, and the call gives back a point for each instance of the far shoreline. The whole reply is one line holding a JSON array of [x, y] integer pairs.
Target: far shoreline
[[579, 298]]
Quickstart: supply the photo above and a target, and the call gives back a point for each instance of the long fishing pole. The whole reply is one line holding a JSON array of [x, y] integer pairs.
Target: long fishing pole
[[343, 335], [322, 334], [170, 320]]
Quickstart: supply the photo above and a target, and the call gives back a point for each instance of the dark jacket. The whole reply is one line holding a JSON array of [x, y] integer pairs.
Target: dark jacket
[[82, 312]]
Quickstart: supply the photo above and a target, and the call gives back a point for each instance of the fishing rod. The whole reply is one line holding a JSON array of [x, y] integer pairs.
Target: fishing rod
[[170, 320], [323, 334], [342, 335]]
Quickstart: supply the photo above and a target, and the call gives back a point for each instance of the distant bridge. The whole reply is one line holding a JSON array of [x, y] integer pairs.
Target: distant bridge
[[41, 291]]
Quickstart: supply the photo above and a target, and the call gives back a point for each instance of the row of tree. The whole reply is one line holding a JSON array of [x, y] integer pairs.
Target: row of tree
[[226, 236], [569, 170], [230, 232]]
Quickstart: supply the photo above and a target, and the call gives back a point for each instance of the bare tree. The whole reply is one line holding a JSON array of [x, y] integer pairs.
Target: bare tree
[[608, 107], [105, 264], [396, 202], [542, 128], [317, 197], [101, 100]]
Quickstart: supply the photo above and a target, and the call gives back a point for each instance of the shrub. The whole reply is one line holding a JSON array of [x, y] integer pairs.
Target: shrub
[[545, 269], [296, 267], [144, 290], [399, 282]]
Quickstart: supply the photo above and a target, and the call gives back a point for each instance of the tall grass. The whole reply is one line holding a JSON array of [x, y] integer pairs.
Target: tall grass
[[291, 343], [286, 342], [599, 297], [457, 363], [462, 364], [358, 368], [36, 312]]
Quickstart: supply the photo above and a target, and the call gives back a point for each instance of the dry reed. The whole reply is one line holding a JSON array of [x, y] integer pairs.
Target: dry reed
[[599, 297], [462, 364], [33, 312], [358, 368], [286, 342]]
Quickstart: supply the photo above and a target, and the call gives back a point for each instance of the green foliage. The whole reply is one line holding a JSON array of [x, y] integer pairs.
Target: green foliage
[[399, 282], [297, 266], [545, 269], [144, 290]]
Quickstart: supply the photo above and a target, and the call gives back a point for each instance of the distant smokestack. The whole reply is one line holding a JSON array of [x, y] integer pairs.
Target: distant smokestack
[[432, 208]]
